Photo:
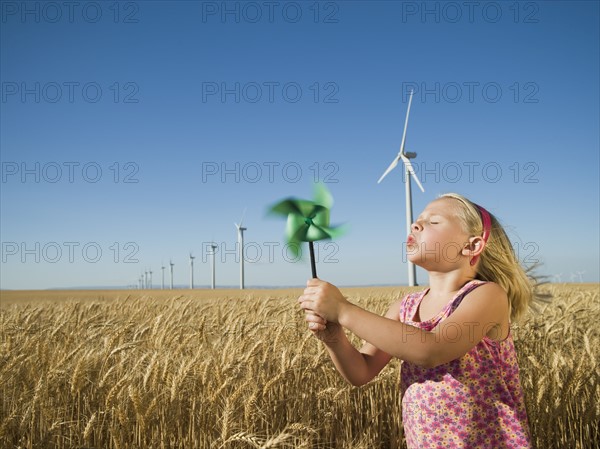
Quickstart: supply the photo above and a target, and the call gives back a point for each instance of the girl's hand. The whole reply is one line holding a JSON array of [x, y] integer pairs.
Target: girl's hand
[[315, 322], [324, 331], [324, 300]]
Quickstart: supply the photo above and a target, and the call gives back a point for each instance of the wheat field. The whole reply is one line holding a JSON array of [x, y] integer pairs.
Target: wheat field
[[230, 369]]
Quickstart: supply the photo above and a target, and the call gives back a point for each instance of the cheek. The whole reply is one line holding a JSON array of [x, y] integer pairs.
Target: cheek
[[451, 252], [444, 241]]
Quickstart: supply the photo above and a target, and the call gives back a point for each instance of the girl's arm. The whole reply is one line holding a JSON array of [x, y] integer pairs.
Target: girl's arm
[[480, 313], [358, 367]]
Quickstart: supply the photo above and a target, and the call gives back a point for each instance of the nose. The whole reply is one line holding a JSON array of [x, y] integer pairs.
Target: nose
[[415, 227]]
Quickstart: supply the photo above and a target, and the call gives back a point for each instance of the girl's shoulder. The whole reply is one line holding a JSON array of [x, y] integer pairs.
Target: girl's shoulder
[[477, 290], [480, 287]]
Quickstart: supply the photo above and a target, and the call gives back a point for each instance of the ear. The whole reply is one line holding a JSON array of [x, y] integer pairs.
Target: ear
[[474, 248]]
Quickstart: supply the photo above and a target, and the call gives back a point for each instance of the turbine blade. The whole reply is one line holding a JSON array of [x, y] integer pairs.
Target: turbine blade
[[401, 152], [243, 215], [389, 169], [406, 124], [411, 170]]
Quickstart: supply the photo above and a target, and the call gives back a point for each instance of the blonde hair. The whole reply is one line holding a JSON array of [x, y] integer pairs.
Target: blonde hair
[[497, 262]]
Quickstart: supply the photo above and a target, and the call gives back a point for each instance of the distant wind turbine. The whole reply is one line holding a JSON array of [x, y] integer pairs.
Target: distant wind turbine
[[171, 265], [162, 282], [150, 279], [579, 273], [409, 170], [145, 279], [213, 251], [241, 230], [191, 271]]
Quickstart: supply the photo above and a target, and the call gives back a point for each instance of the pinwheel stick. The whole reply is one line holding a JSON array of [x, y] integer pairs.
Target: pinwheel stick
[[313, 265]]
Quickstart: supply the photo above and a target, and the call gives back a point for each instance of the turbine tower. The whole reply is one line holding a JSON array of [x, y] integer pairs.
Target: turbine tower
[[150, 279], [241, 230], [213, 251], [145, 279], [171, 265], [191, 271], [408, 171], [162, 282]]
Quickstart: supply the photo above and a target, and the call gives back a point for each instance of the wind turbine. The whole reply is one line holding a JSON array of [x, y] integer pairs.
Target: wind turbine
[[171, 264], [150, 279], [145, 279], [579, 273], [162, 282], [213, 248], [241, 248], [408, 170], [191, 271]]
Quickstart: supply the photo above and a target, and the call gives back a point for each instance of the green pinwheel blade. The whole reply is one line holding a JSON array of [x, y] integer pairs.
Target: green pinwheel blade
[[308, 209], [321, 216], [294, 248], [322, 196], [296, 227], [300, 234], [315, 233], [335, 232], [303, 208], [285, 207]]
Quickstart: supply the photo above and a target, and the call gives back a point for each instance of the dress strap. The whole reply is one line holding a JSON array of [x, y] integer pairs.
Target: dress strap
[[409, 304]]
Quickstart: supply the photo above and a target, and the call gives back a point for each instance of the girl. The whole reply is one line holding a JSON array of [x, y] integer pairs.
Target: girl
[[460, 378]]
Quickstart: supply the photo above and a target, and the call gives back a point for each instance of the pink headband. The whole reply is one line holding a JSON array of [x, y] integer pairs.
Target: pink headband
[[487, 228]]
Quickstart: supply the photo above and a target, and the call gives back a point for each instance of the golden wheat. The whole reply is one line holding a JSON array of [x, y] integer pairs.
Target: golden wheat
[[210, 369]]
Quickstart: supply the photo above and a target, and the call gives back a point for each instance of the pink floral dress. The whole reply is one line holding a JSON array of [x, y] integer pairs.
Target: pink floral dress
[[473, 402]]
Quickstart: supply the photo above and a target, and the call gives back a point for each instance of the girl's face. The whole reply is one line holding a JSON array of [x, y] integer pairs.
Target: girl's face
[[437, 237]]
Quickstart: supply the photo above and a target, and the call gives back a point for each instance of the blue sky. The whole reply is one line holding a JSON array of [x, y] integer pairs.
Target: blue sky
[[133, 133]]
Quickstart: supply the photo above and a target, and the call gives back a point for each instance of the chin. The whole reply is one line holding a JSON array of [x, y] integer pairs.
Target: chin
[[416, 259]]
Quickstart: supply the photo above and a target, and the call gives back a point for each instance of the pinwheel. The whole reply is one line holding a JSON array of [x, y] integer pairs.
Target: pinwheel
[[308, 221]]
